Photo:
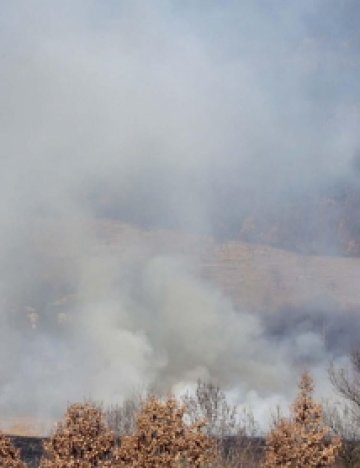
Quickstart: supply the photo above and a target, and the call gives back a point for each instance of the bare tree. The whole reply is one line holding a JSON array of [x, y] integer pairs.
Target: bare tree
[[210, 403], [347, 382], [341, 420], [233, 432], [346, 421], [122, 418]]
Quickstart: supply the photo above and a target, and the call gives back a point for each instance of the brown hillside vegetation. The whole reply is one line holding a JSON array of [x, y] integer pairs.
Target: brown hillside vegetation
[[169, 433]]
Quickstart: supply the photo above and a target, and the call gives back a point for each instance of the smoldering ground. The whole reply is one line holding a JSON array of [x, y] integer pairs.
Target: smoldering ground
[[162, 116]]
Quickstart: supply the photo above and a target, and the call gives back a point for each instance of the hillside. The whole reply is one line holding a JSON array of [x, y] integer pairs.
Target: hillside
[[254, 276]]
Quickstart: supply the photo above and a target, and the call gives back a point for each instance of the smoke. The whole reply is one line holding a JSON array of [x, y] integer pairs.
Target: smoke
[[137, 320], [181, 115]]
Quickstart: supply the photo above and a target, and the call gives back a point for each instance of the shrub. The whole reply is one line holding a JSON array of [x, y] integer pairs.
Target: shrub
[[162, 438], [303, 440], [82, 440], [9, 455]]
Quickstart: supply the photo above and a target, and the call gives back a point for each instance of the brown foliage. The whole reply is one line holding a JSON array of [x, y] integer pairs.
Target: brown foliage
[[9, 455], [303, 440], [82, 440], [162, 438]]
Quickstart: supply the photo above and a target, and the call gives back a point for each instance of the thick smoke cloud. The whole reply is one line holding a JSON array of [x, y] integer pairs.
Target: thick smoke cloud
[[122, 106], [171, 115]]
